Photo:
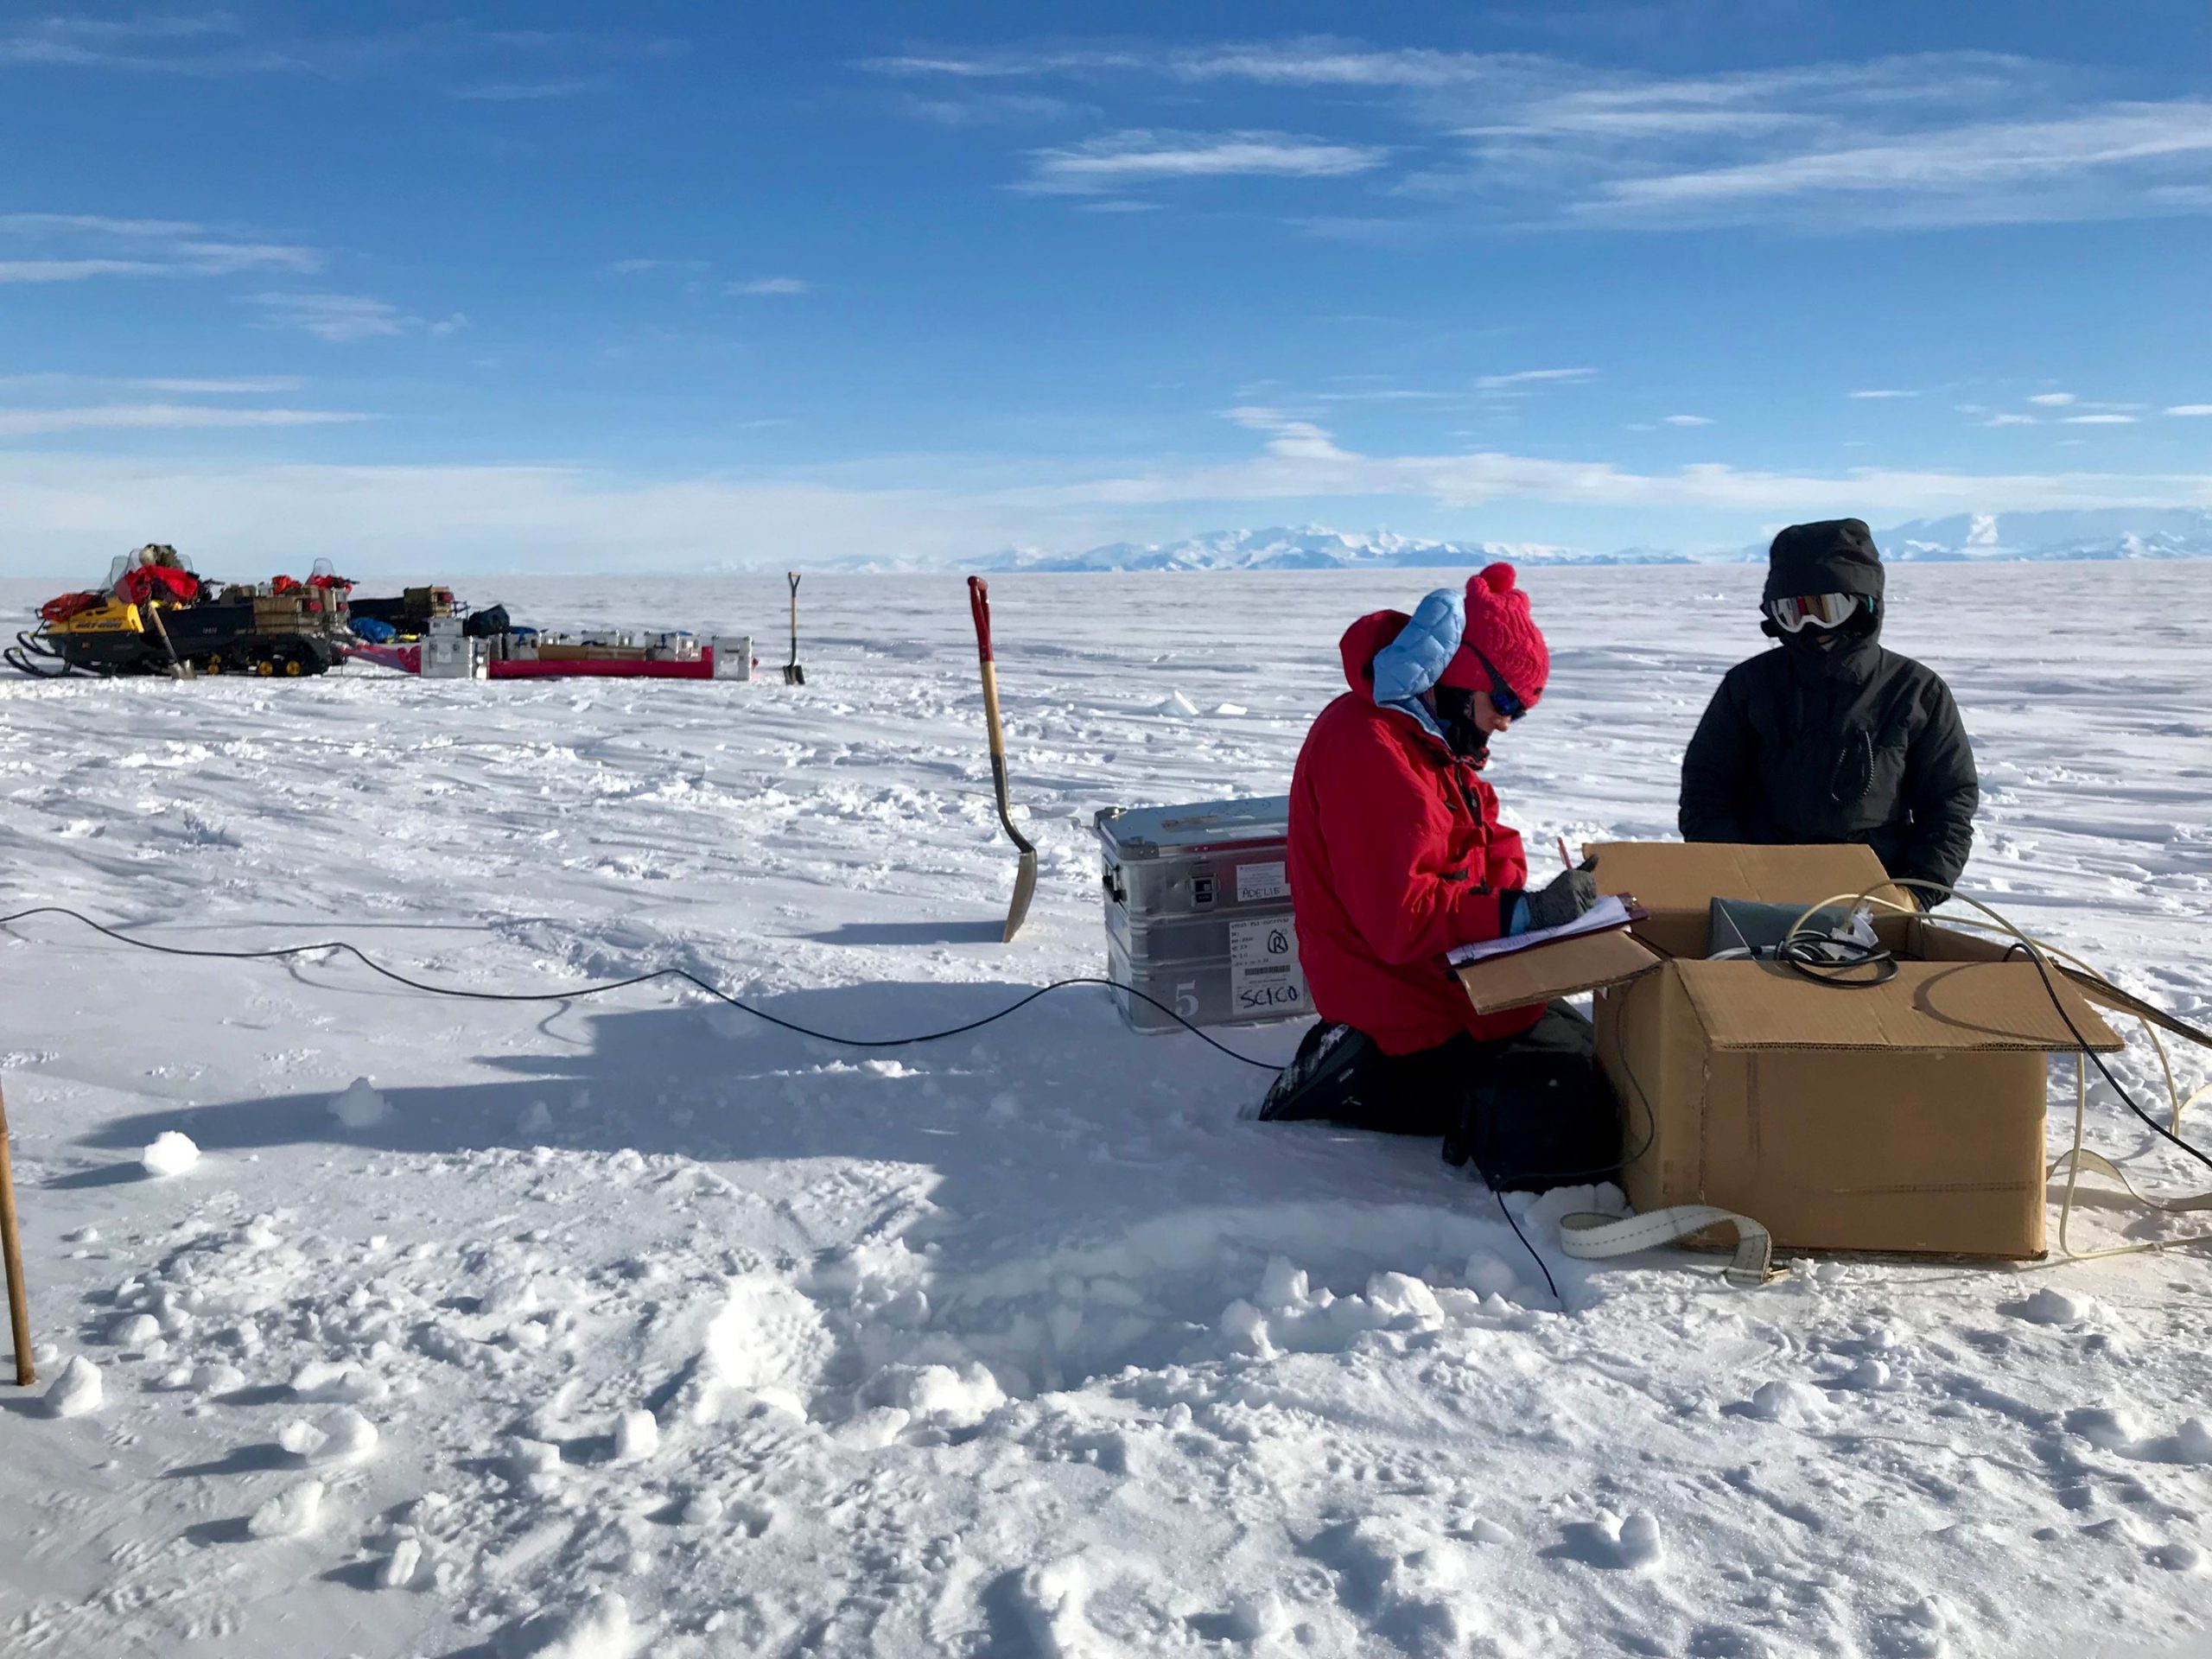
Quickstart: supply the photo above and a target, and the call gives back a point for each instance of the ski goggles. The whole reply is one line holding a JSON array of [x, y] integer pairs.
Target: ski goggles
[[1816, 611], [1502, 697]]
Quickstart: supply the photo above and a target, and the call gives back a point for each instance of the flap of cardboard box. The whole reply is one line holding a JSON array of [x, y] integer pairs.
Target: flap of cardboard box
[[1685, 877], [1929, 1006], [1560, 968]]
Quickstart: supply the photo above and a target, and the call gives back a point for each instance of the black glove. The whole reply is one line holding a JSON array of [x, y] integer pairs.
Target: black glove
[[1568, 895]]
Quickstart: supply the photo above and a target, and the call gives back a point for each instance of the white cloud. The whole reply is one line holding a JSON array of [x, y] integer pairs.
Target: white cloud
[[241, 385], [1117, 160], [977, 109], [642, 267], [214, 44], [75, 271], [1975, 172], [73, 247], [1288, 437], [75, 509], [1916, 140], [1533, 377], [2100, 420], [2191, 409], [2010, 420], [1882, 392], [2052, 399], [766, 287], [343, 318], [108, 417], [1689, 420], [529, 92]]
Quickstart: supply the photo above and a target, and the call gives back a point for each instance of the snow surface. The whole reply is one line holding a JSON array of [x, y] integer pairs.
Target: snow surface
[[1023, 1343]]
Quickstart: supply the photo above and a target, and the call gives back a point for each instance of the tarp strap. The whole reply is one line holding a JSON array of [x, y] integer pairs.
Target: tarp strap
[[1588, 1236]]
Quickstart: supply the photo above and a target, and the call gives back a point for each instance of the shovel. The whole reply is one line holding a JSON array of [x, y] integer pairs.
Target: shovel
[[793, 674], [1024, 878]]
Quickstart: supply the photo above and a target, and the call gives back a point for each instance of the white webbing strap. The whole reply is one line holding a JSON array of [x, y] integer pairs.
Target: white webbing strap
[[1589, 1236], [2080, 1157]]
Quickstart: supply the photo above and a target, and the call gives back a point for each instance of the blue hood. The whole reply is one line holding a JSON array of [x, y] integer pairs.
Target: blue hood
[[1416, 659]]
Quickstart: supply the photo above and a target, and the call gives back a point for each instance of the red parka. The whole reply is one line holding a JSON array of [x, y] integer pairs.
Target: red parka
[[1397, 855]]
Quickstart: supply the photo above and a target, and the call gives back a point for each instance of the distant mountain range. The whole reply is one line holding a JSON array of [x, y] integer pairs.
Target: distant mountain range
[[2108, 533]]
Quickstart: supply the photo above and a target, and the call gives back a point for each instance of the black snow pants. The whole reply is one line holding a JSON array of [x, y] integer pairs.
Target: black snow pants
[[1530, 1112]]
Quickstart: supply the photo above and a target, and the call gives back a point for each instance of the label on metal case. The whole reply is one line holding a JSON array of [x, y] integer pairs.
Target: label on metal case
[[1258, 881], [1263, 970]]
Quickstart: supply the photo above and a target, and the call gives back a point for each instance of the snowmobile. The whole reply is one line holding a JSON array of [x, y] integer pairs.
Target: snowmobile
[[156, 616]]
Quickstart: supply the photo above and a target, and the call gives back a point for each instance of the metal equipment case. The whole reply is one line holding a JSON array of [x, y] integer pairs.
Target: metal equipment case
[[1198, 913]]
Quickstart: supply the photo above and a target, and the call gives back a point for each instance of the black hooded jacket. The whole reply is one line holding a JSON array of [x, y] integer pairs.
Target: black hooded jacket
[[1841, 742]]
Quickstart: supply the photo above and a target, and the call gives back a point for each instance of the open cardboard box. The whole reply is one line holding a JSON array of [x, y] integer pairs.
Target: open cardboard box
[[1906, 1116]]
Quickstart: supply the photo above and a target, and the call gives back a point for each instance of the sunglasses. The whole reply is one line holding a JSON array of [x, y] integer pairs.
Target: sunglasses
[[1502, 697], [1817, 611]]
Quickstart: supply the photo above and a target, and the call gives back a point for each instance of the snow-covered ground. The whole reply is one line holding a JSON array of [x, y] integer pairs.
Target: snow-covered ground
[[635, 1325]]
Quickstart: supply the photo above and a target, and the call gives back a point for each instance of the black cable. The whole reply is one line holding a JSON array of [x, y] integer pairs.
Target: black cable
[[685, 975], [2050, 988], [1505, 1210], [1799, 954]]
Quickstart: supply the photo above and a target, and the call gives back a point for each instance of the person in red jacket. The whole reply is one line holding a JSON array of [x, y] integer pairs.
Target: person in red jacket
[[1397, 854]]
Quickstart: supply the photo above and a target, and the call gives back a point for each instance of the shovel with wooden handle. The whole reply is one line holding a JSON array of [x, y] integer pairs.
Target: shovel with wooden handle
[[793, 674], [1024, 878], [19, 1304]]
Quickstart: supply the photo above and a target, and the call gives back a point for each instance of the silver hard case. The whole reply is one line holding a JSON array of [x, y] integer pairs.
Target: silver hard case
[[1198, 913]]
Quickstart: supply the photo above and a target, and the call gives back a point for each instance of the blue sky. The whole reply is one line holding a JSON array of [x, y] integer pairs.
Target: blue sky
[[654, 285]]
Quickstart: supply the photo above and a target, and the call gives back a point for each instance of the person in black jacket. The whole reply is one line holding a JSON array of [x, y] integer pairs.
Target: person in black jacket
[[1832, 738]]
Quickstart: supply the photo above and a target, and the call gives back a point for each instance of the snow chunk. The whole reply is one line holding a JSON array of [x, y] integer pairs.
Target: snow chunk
[[1792, 1404], [172, 1154], [326, 1380], [1402, 1298], [343, 1438], [1283, 1285], [1641, 1547], [360, 1107], [292, 1513], [600, 1629], [637, 1437], [76, 1391], [1260, 1616], [1054, 1595], [2049, 1306], [1489, 1274], [1175, 703], [136, 1330], [953, 1399], [399, 1571], [215, 1378], [703, 1510]]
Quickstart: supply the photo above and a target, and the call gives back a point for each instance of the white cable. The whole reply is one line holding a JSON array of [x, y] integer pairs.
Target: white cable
[[2078, 1157]]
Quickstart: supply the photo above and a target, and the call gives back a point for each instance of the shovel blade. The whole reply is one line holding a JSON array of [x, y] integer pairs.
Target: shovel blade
[[1025, 889], [794, 675]]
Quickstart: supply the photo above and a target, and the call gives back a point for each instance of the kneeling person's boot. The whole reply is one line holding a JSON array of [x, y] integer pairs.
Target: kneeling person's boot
[[1325, 1080]]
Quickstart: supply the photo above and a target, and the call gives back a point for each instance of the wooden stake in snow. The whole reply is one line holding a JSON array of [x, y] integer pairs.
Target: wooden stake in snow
[[19, 1305]]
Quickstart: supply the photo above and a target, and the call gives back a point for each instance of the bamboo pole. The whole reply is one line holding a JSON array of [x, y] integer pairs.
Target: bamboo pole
[[19, 1305]]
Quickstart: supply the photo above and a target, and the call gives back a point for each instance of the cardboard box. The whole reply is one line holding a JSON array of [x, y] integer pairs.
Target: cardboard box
[[1903, 1116]]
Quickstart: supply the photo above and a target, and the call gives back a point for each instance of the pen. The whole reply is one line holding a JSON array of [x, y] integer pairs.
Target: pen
[[1563, 858]]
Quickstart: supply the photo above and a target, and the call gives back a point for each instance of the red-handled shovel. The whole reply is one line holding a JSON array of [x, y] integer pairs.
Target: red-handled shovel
[[1024, 878]]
